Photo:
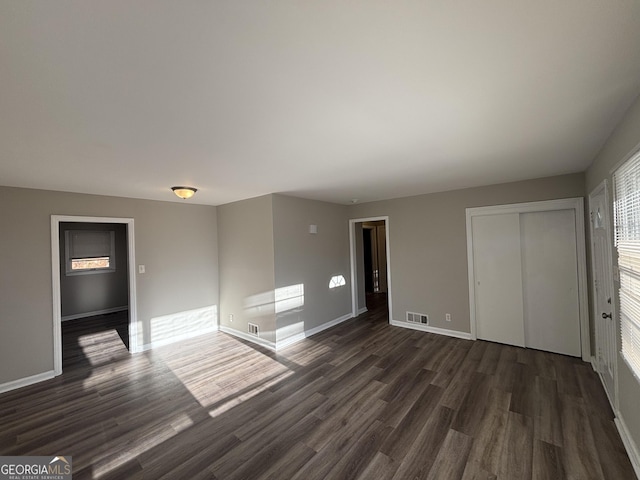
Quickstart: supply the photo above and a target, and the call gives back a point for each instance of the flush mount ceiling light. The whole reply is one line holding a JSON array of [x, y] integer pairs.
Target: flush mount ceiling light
[[184, 192]]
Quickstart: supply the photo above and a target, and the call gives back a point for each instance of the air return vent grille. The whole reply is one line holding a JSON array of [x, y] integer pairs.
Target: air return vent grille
[[253, 329], [418, 318]]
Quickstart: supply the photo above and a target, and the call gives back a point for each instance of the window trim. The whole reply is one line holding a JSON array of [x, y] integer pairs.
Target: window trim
[[628, 253]]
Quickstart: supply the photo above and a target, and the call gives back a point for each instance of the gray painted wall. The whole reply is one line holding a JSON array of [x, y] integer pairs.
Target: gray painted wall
[[311, 260], [624, 139], [428, 243], [247, 266], [177, 243], [81, 294], [275, 273]]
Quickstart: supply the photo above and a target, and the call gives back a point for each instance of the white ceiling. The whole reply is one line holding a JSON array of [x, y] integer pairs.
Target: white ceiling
[[323, 99]]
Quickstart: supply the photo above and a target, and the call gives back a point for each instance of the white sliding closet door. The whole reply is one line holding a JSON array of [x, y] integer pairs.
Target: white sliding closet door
[[498, 278], [527, 276], [550, 281]]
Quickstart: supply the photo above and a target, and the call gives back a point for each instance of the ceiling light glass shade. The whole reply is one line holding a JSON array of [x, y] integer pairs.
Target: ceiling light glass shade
[[184, 192]]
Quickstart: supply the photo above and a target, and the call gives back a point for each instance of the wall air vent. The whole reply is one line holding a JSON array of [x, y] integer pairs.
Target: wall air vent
[[418, 318], [253, 329]]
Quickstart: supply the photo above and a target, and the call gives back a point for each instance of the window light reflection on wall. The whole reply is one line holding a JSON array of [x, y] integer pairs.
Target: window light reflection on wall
[[337, 281]]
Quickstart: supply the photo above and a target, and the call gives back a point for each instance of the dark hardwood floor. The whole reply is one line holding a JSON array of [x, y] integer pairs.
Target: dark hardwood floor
[[362, 400]]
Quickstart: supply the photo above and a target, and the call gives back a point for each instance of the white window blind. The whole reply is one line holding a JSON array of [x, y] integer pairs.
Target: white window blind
[[89, 251], [627, 221], [89, 243]]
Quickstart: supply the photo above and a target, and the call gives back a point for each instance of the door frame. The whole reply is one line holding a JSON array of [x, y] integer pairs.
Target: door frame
[[55, 281], [604, 188], [354, 265], [575, 204]]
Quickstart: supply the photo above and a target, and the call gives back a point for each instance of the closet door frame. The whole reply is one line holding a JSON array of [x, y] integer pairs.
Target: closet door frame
[[575, 204]]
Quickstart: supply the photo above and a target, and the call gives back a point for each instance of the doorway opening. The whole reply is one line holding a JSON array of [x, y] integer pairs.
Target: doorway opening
[[94, 293], [93, 266], [370, 265]]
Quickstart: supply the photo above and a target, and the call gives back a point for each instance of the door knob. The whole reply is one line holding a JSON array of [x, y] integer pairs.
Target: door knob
[[604, 315]]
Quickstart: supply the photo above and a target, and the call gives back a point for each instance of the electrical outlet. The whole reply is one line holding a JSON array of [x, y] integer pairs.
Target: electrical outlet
[[231, 317], [447, 317]]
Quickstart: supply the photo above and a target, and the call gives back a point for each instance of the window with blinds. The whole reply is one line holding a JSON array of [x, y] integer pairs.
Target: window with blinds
[[89, 251], [627, 227]]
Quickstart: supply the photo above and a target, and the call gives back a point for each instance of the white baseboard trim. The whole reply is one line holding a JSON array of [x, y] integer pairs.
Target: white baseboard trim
[[291, 340], [429, 329], [250, 338], [594, 365], [308, 333], [94, 313], [627, 440], [363, 310], [629, 444], [24, 382], [176, 338]]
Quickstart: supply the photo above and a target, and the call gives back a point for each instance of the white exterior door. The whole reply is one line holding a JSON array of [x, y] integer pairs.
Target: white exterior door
[[605, 324]]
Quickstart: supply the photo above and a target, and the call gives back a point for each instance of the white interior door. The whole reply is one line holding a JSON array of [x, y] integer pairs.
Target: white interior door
[[498, 278], [603, 287], [550, 281]]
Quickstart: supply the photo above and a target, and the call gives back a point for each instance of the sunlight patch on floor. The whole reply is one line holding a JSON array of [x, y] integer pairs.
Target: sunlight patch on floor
[[145, 443], [97, 346], [112, 371], [305, 352], [228, 373], [233, 398]]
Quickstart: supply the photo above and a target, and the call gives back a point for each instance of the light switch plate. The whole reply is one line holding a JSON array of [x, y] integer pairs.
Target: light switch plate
[[141, 269]]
